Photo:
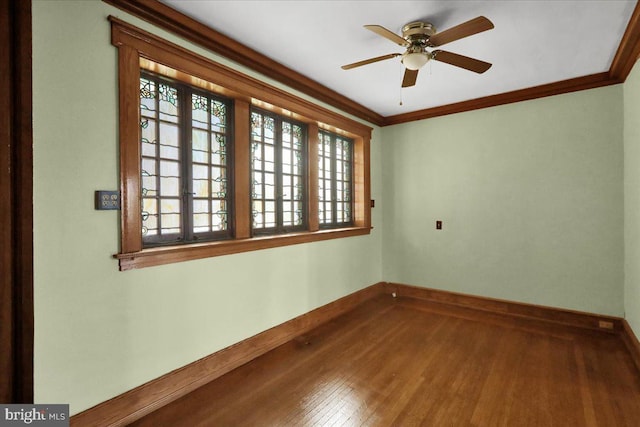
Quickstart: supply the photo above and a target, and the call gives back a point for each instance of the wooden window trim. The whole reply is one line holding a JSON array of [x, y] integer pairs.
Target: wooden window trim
[[278, 173], [170, 254], [334, 202], [138, 49]]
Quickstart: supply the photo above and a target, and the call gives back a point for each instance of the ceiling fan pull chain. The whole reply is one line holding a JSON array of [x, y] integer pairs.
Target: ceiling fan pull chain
[[401, 74]]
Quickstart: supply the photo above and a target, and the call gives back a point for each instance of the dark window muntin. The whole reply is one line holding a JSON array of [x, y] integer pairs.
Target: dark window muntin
[[279, 227], [187, 235], [334, 223]]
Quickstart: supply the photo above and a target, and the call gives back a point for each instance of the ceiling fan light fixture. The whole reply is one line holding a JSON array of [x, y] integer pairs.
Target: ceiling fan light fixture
[[418, 37], [415, 60]]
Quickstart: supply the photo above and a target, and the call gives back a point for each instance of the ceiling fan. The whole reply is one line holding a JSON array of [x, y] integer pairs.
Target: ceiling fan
[[417, 37]]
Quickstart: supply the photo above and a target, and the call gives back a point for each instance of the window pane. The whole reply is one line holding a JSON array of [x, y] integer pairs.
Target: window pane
[[160, 162], [278, 172], [209, 180], [169, 169], [200, 146], [200, 206], [286, 161], [269, 158], [199, 111], [200, 172], [169, 187], [270, 214], [168, 103], [170, 216], [219, 184], [148, 96], [335, 182], [297, 188], [257, 185], [201, 222], [258, 214], [258, 145], [286, 135], [218, 117], [149, 217], [177, 198], [269, 187], [219, 150], [200, 188], [149, 178]]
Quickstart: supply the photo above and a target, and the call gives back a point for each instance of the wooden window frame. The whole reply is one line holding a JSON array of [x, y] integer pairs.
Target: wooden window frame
[[280, 227], [187, 234], [140, 50], [333, 159]]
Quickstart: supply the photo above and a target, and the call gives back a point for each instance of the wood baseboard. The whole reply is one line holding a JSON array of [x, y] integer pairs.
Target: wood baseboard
[[548, 314], [631, 341], [142, 400]]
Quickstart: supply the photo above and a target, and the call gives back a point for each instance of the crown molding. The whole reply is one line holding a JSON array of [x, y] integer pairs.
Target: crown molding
[[550, 89], [173, 21], [628, 50]]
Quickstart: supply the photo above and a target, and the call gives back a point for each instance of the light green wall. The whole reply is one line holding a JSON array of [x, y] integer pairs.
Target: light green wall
[[632, 198], [531, 196], [100, 332]]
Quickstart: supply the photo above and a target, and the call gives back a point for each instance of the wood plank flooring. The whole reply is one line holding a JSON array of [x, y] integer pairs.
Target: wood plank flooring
[[405, 362]]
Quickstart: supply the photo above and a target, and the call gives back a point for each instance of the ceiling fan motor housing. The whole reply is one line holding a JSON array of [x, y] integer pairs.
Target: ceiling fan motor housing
[[417, 36], [418, 32]]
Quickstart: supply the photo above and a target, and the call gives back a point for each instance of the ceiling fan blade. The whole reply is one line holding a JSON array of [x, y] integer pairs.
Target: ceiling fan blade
[[461, 61], [369, 61], [469, 28], [409, 78], [382, 31]]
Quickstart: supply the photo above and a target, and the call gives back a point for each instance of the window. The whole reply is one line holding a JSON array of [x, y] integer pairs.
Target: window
[[278, 168], [335, 158], [213, 162], [184, 163]]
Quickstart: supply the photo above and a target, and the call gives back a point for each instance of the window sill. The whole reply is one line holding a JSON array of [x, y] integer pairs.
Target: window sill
[[171, 254]]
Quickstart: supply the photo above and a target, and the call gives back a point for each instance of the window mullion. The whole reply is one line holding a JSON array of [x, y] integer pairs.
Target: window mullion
[[278, 170], [312, 175], [242, 169], [263, 174], [187, 167], [334, 180], [210, 137], [157, 158], [351, 182]]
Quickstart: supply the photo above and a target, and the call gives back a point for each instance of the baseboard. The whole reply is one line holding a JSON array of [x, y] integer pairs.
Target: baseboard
[[547, 314], [631, 341], [142, 400]]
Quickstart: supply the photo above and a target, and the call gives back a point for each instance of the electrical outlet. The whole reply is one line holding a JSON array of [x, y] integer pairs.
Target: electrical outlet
[[107, 200], [438, 225]]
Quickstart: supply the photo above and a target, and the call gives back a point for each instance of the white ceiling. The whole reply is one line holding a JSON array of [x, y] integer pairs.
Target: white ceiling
[[533, 43]]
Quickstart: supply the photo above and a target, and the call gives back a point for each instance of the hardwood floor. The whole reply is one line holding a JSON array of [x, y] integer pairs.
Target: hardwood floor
[[405, 362]]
